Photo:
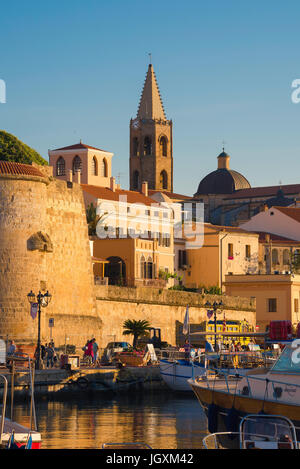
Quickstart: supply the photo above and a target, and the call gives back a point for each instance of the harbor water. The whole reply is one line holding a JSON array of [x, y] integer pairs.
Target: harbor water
[[162, 420]]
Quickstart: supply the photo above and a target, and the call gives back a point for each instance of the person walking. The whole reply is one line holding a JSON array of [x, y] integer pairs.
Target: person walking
[[95, 351], [90, 352], [50, 356]]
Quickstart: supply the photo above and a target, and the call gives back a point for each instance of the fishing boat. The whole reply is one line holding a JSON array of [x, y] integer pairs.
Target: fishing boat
[[14, 435], [276, 391], [176, 370], [256, 432]]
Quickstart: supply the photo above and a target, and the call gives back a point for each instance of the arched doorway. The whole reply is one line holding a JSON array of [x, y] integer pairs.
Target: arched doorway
[[115, 270]]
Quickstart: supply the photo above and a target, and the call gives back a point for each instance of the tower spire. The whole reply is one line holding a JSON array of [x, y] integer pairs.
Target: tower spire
[[151, 106]]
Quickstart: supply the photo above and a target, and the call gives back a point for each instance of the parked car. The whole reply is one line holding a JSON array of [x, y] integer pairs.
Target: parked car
[[113, 348]]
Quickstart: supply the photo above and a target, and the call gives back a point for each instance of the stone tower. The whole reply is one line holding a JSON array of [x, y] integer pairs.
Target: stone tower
[[151, 143]]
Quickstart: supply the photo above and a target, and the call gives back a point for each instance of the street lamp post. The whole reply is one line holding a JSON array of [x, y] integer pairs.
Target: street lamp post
[[215, 306], [42, 300]]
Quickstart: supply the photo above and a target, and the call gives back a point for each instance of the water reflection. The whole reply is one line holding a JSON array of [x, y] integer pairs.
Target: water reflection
[[162, 421]]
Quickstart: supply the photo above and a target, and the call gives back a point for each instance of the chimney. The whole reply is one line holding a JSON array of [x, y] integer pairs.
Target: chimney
[[145, 188], [112, 184], [77, 177], [264, 208]]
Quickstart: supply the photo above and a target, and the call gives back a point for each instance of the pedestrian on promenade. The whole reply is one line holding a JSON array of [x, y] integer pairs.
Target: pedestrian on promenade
[[43, 352], [50, 356], [95, 351], [90, 352], [12, 348]]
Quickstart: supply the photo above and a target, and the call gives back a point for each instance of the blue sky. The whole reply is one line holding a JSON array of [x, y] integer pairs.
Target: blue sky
[[75, 70]]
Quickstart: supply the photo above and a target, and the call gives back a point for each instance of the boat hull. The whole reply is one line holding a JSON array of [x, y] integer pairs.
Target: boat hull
[[244, 405], [176, 374]]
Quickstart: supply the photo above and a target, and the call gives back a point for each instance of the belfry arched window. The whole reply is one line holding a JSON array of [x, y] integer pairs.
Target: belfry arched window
[[163, 146], [60, 167], [77, 164], [163, 180], [136, 179], [94, 166], [147, 146], [103, 168]]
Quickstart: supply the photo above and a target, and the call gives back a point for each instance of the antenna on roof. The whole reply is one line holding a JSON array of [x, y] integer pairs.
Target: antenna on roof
[[119, 177], [150, 58], [223, 143]]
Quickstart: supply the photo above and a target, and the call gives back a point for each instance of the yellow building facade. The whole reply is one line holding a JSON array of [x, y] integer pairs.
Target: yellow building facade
[[277, 296], [225, 250], [134, 243]]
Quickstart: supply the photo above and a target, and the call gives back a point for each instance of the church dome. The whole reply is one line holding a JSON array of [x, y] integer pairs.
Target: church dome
[[223, 180]]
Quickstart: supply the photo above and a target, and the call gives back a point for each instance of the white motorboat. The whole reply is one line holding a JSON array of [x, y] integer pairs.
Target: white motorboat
[[256, 432]]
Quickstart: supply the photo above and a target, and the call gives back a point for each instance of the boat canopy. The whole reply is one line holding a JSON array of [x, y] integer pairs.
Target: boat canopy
[[289, 360]]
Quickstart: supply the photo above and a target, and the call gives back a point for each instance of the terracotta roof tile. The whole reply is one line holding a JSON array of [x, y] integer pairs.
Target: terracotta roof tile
[[9, 167], [276, 238], [267, 191], [105, 193], [292, 212], [171, 195], [77, 146]]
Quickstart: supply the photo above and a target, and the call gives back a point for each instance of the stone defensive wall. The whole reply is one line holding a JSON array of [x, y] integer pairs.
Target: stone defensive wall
[[44, 245], [164, 309]]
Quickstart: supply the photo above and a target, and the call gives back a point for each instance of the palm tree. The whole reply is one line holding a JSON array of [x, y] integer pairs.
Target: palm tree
[[93, 219], [136, 328]]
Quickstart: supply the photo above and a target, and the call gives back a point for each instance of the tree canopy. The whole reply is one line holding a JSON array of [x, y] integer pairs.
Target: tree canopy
[[12, 149], [136, 328]]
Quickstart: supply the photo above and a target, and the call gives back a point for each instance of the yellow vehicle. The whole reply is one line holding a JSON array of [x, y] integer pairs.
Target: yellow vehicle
[[229, 326]]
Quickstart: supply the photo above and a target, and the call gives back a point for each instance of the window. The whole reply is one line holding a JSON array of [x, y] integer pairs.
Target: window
[[60, 167], [147, 146], [230, 251], [286, 257], [296, 305], [77, 165], [163, 180], [135, 146], [94, 166], [103, 168], [272, 305], [248, 251], [163, 146], [275, 259], [182, 259]]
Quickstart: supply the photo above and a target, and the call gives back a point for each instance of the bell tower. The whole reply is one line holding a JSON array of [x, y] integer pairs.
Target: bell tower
[[151, 143]]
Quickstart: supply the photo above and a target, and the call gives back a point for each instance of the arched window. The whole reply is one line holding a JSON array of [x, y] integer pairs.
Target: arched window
[[136, 179], [135, 146], [77, 164], [60, 167], [163, 180], [143, 267], [275, 259], [94, 166], [149, 272], [163, 146], [103, 168], [147, 146], [286, 257]]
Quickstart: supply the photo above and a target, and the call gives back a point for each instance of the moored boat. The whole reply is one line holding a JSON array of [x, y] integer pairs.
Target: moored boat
[[256, 432], [14, 435], [176, 370], [226, 399]]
